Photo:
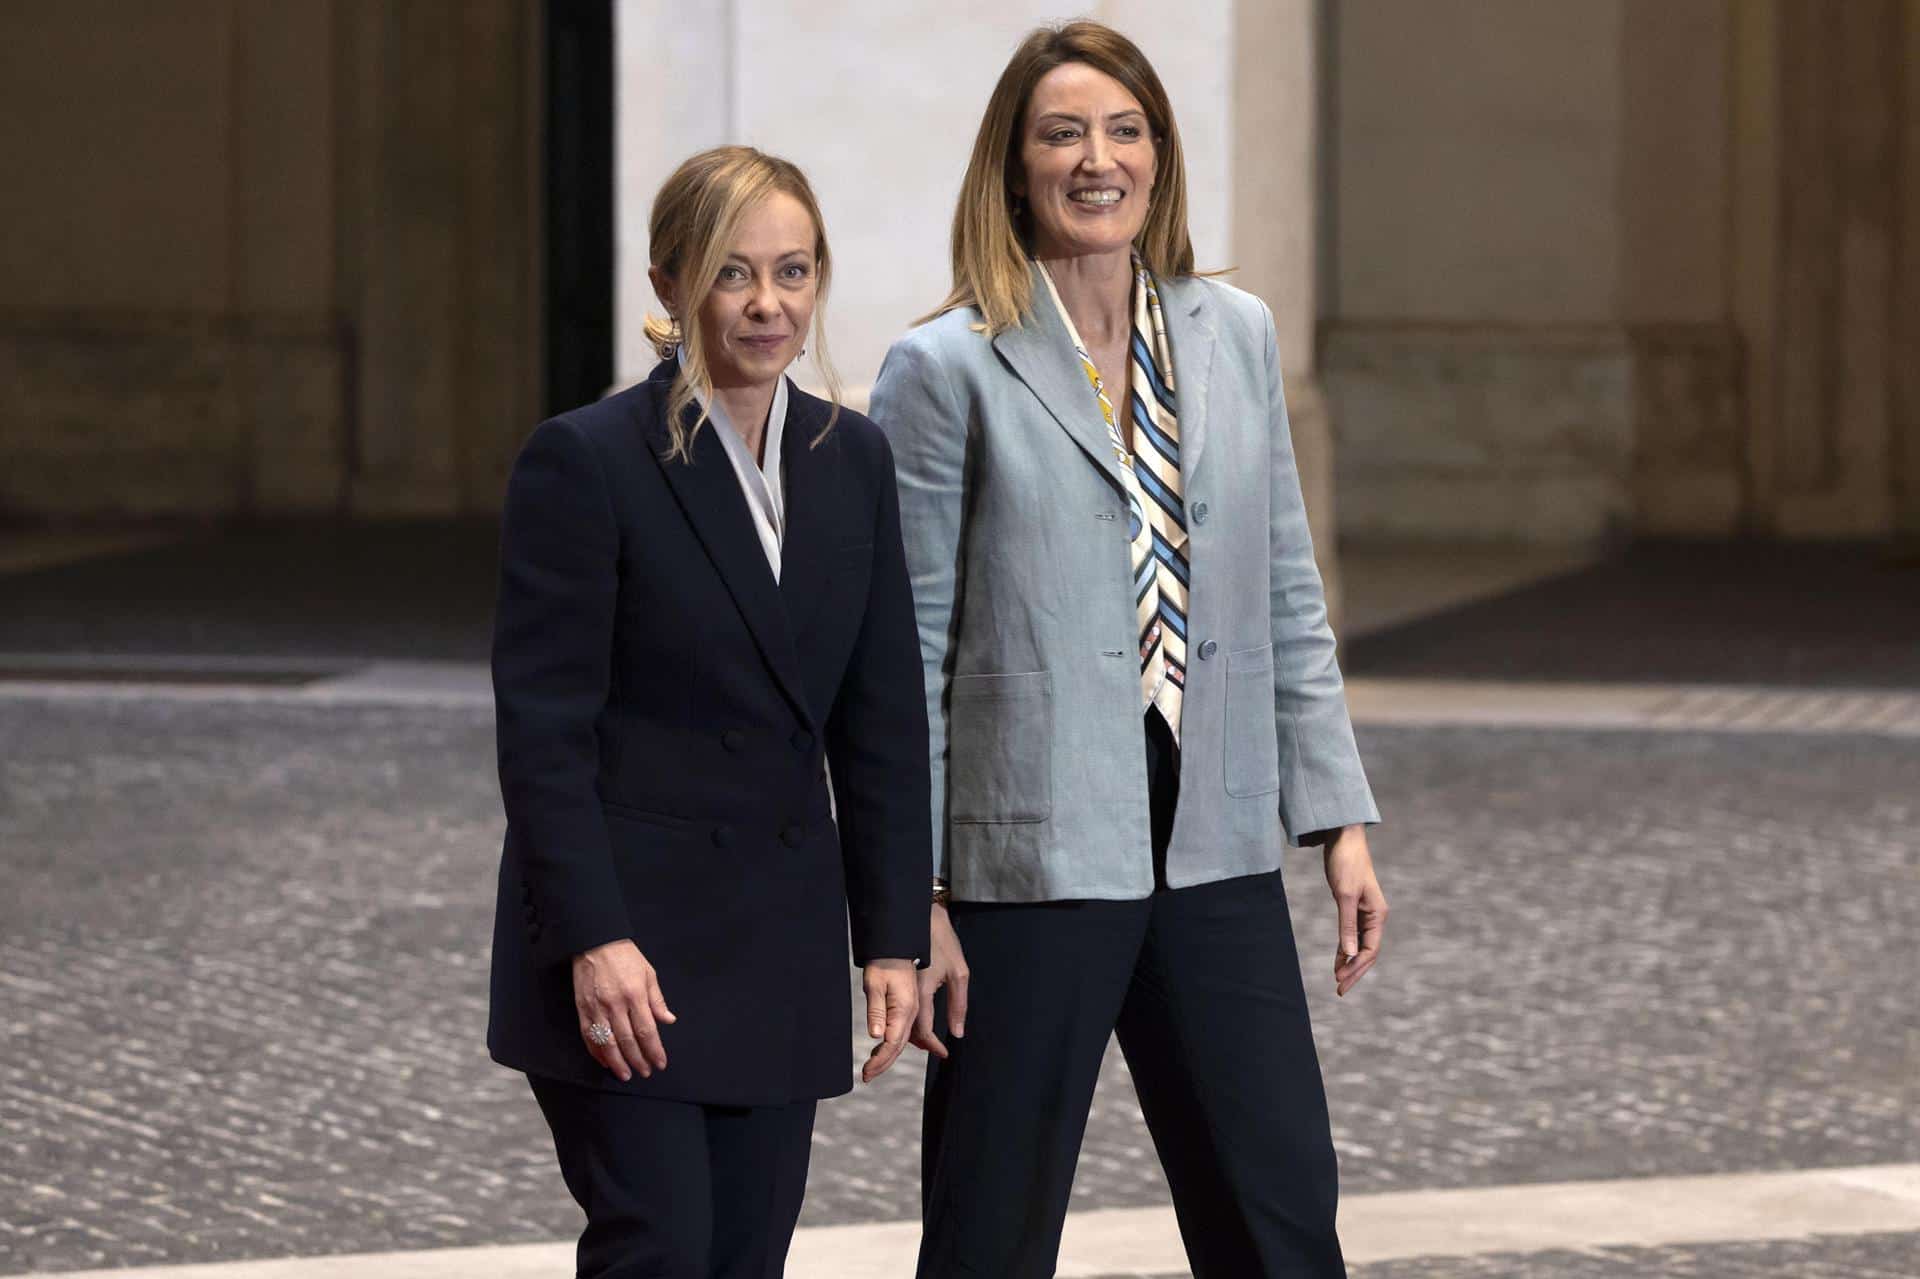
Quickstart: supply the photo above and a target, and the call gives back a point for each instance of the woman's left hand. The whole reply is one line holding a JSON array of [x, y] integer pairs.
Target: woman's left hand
[[1363, 907], [893, 1000]]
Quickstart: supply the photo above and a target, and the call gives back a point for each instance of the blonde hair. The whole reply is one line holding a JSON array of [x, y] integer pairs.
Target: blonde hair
[[695, 218], [993, 238]]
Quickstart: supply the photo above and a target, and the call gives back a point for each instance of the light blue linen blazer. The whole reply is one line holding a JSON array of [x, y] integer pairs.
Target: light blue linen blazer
[[1015, 521]]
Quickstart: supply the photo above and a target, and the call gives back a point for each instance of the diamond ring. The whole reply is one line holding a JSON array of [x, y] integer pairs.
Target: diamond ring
[[600, 1033]]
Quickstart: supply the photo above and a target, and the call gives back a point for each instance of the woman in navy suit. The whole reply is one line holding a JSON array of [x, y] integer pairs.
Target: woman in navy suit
[[703, 604]]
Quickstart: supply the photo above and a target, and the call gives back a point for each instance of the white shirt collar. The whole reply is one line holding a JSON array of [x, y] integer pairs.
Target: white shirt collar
[[763, 484]]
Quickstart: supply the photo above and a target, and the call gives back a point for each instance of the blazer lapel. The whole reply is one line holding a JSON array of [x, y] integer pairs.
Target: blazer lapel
[[1041, 354], [1191, 334], [709, 494], [810, 502]]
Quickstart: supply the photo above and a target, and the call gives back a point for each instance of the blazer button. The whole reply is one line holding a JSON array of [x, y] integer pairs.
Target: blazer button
[[1208, 649], [733, 739], [722, 836], [791, 836], [802, 740], [1199, 512]]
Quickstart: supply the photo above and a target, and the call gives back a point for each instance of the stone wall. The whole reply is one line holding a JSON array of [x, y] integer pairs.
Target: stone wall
[[265, 259], [1580, 269], [1611, 268], [1476, 434], [1829, 236], [152, 414]]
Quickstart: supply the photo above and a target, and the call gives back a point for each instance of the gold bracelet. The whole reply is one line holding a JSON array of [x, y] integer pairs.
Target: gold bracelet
[[941, 894]]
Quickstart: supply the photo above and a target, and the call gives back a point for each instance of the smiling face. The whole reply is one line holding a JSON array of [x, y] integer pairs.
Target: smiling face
[[754, 318], [1088, 163]]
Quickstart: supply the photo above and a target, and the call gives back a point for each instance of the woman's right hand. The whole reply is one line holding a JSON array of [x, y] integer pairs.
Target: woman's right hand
[[615, 986], [946, 966]]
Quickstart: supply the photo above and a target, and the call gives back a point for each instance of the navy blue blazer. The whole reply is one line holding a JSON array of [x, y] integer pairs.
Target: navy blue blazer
[[666, 714]]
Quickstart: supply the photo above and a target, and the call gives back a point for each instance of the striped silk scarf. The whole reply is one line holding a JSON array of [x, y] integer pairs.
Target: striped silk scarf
[[1156, 513]]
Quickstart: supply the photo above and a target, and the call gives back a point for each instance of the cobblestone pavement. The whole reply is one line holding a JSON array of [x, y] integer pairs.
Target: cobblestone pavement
[[243, 954]]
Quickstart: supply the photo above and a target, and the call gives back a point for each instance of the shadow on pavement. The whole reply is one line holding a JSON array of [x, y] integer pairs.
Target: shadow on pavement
[[421, 591], [1801, 616]]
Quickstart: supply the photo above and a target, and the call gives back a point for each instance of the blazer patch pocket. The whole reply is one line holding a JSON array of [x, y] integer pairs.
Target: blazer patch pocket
[[1000, 748], [1253, 745]]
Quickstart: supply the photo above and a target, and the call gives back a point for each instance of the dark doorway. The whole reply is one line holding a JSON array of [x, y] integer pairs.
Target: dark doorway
[[578, 129]]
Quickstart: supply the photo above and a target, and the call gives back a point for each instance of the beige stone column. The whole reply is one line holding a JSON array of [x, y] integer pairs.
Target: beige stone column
[[1687, 476], [1276, 226], [1752, 228], [1825, 285], [1906, 399], [674, 95], [439, 199], [288, 375]]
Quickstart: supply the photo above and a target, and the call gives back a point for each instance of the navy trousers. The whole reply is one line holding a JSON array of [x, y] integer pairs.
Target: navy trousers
[[1203, 987], [679, 1190]]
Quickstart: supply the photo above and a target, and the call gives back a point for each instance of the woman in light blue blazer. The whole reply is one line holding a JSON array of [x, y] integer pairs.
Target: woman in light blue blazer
[[1132, 691]]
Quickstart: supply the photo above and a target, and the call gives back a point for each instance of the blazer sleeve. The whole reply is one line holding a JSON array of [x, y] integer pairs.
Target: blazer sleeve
[[552, 647], [1322, 783], [876, 739], [914, 404]]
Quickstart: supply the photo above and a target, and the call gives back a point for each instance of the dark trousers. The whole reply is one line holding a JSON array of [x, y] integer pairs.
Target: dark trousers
[[1203, 987], [678, 1190]]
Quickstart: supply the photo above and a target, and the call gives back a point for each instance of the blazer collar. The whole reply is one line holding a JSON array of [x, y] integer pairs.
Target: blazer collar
[[811, 503], [1041, 354], [709, 495]]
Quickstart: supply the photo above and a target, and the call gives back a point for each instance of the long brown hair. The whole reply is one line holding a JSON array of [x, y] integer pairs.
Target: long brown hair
[[992, 238], [695, 218]]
